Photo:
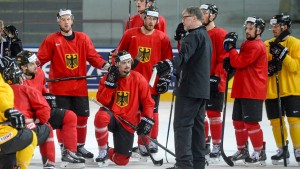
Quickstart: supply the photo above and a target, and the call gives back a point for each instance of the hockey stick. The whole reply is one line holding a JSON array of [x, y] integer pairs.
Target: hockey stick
[[129, 14], [72, 78], [5, 123], [284, 146], [155, 162], [226, 158], [170, 117]]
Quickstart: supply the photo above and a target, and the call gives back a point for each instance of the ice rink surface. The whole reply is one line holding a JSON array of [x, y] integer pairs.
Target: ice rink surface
[[164, 110]]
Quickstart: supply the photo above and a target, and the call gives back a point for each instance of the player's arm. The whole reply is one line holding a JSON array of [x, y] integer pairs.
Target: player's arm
[[45, 51], [145, 97], [93, 57], [104, 94], [7, 93], [39, 105]]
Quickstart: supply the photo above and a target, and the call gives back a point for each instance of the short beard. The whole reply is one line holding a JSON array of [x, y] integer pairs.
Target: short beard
[[65, 31]]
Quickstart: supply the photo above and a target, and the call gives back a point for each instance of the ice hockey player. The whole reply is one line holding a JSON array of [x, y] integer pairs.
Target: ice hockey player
[[249, 89], [284, 60], [150, 46], [68, 52], [218, 79], [64, 121], [137, 20], [17, 143], [123, 91]]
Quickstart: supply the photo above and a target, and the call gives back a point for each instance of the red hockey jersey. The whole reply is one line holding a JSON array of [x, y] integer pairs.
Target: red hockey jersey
[[68, 59], [125, 101], [150, 48], [137, 21], [251, 75]]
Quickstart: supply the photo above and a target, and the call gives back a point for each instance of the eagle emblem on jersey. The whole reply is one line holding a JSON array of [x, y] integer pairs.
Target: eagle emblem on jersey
[[122, 98], [72, 61], [144, 54]]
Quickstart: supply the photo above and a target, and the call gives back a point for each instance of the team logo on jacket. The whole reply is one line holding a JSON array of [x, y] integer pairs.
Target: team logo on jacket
[[144, 54], [122, 98], [72, 61]]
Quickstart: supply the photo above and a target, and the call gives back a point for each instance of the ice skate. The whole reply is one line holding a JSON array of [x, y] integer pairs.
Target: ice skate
[[215, 154], [153, 147], [257, 158], [207, 150], [277, 159], [48, 165], [81, 151], [297, 155], [71, 160], [140, 153], [239, 157], [102, 158]]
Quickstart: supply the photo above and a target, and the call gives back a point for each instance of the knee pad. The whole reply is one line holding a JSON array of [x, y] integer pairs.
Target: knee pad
[[70, 117], [238, 125], [213, 114], [252, 126], [102, 119], [82, 120], [294, 120], [118, 158]]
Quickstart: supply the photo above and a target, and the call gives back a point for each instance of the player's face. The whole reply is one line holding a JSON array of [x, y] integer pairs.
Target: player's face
[[65, 22], [150, 22], [140, 5], [205, 17], [276, 29], [125, 67], [29, 70], [250, 31]]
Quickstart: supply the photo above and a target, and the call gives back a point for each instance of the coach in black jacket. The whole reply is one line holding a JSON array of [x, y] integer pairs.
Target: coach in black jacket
[[192, 90]]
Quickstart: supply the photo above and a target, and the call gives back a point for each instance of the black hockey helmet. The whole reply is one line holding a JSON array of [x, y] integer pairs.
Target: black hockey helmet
[[151, 11], [51, 99], [11, 29], [122, 55], [213, 9], [62, 12], [281, 20], [25, 57], [12, 74], [259, 22]]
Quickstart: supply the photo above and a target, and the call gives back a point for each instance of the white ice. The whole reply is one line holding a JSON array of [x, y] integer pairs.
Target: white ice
[[164, 113]]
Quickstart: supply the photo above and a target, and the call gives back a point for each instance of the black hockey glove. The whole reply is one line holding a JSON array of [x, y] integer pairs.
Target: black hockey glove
[[6, 62], [214, 85], [230, 38], [164, 67], [15, 117], [227, 66], [278, 51], [112, 77], [274, 66], [180, 32], [163, 83], [144, 127]]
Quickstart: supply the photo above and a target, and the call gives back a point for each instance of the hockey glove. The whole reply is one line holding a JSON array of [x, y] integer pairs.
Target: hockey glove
[[144, 127], [230, 38], [112, 77], [274, 66], [180, 32], [164, 67], [226, 65], [163, 83], [214, 85], [110, 56], [278, 51], [15, 117]]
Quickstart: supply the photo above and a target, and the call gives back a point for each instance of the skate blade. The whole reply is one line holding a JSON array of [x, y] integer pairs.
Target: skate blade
[[103, 164], [71, 165], [138, 156], [239, 162], [214, 160], [280, 162], [257, 164]]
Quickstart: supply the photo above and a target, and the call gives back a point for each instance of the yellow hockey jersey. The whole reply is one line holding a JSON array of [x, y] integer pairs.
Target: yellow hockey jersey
[[289, 76]]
